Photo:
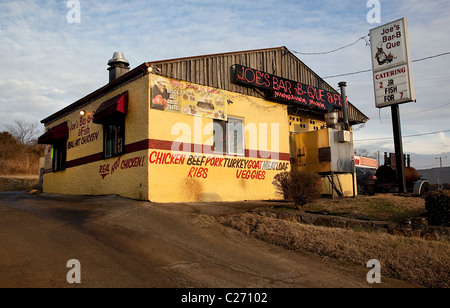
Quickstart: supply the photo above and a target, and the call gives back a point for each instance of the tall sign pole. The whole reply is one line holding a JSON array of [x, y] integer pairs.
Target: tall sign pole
[[393, 80], [398, 144]]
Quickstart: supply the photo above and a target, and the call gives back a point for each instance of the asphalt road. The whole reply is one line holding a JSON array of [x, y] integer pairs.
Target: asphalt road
[[124, 243]]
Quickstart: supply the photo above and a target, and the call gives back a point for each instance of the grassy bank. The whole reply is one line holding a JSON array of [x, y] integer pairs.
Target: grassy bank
[[422, 262], [382, 207], [418, 261]]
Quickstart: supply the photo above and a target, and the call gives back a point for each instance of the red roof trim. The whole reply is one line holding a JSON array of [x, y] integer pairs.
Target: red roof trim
[[117, 104], [56, 133]]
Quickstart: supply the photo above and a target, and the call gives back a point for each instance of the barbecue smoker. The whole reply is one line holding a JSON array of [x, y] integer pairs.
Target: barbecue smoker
[[387, 177], [328, 152]]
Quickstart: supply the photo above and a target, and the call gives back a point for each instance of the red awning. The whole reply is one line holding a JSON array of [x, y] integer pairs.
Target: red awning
[[54, 134], [118, 104]]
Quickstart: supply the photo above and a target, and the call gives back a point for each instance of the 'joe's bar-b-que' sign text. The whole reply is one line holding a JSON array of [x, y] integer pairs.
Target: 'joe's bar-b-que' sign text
[[281, 89]]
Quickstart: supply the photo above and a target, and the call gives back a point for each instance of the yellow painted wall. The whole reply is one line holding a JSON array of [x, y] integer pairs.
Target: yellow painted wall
[[344, 184], [209, 182], [126, 175], [302, 122]]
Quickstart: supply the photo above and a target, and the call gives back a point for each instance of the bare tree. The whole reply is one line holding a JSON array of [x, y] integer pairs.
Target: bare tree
[[364, 153], [24, 132]]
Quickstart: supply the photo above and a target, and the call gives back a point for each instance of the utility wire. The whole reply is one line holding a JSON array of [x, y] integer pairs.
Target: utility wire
[[331, 51], [410, 136], [416, 112], [369, 70], [431, 57], [348, 74]]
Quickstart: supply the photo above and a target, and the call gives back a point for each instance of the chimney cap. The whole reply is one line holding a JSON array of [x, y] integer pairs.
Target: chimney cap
[[118, 58]]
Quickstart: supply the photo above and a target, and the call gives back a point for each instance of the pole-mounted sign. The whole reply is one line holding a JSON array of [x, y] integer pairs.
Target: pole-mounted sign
[[392, 78], [391, 63]]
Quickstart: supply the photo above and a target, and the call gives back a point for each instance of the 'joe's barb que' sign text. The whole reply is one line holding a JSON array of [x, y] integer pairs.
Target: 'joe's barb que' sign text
[[281, 89]]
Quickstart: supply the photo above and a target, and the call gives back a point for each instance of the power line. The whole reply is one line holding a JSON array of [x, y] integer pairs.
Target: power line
[[331, 51], [369, 70], [431, 57], [410, 136], [348, 74], [415, 112]]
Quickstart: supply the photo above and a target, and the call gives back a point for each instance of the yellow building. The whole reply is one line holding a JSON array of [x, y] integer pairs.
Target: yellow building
[[207, 128]]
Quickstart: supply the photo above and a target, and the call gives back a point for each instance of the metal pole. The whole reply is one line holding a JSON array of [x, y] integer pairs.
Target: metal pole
[[353, 178], [399, 161], [342, 85]]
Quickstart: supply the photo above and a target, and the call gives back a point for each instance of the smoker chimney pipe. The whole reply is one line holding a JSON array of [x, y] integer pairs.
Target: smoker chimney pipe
[[342, 85], [118, 66]]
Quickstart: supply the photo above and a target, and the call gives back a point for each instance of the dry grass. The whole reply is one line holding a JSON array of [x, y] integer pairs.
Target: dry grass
[[382, 207], [421, 262], [17, 158], [20, 166]]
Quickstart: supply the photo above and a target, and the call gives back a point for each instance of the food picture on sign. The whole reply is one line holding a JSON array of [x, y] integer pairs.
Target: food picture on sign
[[381, 56], [205, 105], [159, 95], [203, 101], [187, 98]]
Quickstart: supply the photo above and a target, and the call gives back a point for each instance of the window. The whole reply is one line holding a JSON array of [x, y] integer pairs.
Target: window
[[229, 136], [220, 136], [59, 155], [114, 136], [111, 114], [235, 131]]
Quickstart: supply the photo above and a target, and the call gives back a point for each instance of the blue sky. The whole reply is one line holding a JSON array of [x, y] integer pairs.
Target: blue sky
[[49, 63]]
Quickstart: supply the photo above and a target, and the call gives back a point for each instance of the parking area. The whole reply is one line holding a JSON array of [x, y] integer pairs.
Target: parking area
[[125, 243]]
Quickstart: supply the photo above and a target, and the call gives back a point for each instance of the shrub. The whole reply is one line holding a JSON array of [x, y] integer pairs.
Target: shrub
[[301, 186], [437, 204], [281, 183]]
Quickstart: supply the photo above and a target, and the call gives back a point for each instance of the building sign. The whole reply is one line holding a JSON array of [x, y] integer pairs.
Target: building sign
[[391, 63], [199, 166], [187, 98], [84, 130], [281, 89], [365, 162], [121, 164]]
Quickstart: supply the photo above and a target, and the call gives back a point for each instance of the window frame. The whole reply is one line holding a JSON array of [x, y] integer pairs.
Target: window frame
[[226, 139], [59, 155], [117, 123]]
